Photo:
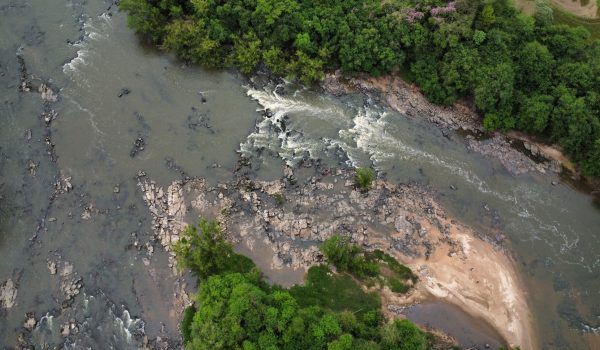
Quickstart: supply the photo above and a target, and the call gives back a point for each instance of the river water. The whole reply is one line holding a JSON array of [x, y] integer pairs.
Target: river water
[[196, 123]]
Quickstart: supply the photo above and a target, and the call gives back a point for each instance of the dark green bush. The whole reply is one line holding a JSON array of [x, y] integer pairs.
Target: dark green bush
[[186, 323]]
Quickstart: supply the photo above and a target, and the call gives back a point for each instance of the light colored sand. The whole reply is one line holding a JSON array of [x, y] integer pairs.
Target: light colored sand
[[481, 280]]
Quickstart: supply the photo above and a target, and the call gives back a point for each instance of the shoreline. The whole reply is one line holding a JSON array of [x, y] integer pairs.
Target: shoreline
[[454, 264], [517, 152]]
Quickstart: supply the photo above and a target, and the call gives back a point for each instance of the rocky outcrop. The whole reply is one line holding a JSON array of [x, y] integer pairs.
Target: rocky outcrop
[[8, 294], [168, 209]]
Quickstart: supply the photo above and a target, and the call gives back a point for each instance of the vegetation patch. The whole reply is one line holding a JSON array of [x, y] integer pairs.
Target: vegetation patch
[[371, 268], [236, 309], [364, 178]]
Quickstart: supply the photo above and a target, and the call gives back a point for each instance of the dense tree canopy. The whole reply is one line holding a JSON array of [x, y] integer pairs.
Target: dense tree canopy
[[521, 72], [236, 309]]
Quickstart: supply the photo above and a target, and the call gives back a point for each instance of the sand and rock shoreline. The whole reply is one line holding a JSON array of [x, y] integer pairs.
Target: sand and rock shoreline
[[455, 264]]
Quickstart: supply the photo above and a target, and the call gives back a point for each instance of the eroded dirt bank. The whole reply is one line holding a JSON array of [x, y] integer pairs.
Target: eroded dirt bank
[[454, 263]]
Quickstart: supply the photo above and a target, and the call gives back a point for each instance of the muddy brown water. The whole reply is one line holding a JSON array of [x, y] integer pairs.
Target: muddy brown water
[[196, 123]]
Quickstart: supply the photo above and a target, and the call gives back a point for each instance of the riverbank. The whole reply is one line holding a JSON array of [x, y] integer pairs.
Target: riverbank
[[517, 152], [455, 265]]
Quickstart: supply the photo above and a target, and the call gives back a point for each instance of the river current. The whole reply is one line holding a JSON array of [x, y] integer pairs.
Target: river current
[[114, 91]]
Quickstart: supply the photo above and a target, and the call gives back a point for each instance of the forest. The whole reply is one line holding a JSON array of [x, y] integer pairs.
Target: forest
[[520, 72]]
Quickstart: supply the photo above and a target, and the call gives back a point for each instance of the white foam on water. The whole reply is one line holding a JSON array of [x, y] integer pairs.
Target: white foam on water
[[365, 135], [291, 145], [95, 29], [370, 135]]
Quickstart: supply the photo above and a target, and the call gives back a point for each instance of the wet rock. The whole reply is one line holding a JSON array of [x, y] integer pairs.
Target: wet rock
[[31, 322], [71, 287], [87, 213], [202, 97], [63, 185], [48, 117], [52, 267], [32, 167], [138, 145], [124, 92], [47, 93], [498, 147], [65, 330], [8, 294]]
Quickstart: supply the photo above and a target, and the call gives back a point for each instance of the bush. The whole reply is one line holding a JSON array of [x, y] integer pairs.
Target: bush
[[186, 323], [204, 250], [241, 311], [364, 178], [348, 257]]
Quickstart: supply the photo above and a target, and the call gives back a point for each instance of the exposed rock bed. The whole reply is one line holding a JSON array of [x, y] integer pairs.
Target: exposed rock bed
[[404, 220]]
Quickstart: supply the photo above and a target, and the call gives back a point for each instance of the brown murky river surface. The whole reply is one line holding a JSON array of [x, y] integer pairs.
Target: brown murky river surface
[[72, 219]]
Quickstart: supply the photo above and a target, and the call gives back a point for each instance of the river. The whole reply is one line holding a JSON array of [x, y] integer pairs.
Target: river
[[115, 92]]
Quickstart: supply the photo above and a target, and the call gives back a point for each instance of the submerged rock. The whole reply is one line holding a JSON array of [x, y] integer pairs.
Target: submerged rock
[[124, 92]]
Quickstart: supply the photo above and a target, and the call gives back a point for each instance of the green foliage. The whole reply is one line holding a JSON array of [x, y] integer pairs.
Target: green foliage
[[348, 257], [364, 178], [204, 250], [247, 52], [370, 267], [516, 69], [544, 14], [336, 292], [186, 323], [236, 309], [279, 198]]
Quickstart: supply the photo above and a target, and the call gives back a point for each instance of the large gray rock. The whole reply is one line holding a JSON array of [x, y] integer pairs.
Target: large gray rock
[[8, 294]]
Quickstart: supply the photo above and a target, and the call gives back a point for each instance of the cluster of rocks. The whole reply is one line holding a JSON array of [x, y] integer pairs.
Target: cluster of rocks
[[553, 165], [49, 116], [70, 282], [168, 210], [68, 328], [63, 185], [30, 83], [138, 145], [500, 148], [293, 218], [404, 98]]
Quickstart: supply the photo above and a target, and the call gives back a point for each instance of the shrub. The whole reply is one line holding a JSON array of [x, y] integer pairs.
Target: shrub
[[364, 178], [204, 250], [186, 323]]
